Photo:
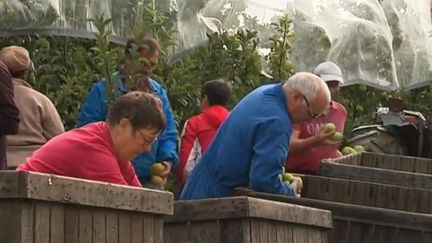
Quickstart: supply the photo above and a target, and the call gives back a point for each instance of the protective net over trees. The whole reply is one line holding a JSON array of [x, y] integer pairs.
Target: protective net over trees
[[385, 44]]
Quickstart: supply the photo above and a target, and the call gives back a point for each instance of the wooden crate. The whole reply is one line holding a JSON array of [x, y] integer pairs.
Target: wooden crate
[[402, 198], [361, 224], [387, 161], [45, 208], [244, 220], [377, 175]]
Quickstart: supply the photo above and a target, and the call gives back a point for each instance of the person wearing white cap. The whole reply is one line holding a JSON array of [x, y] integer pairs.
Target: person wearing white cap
[[310, 144], [39, 119]]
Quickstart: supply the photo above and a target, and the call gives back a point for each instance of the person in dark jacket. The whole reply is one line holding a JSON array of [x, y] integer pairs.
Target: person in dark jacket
[[251, 146], [199, 130], [9, 113]]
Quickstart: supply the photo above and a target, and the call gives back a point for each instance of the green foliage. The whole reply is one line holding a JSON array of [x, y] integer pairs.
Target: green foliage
[[281, 46], [64, 70]]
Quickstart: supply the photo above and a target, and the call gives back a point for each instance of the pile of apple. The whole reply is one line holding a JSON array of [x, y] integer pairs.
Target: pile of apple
[[337, 137], [156, 170], [290, 178]]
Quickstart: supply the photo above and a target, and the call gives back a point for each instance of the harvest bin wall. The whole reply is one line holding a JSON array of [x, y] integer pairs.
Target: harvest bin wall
[[387, 161], [46, 208], [361, 224], [244, 220]]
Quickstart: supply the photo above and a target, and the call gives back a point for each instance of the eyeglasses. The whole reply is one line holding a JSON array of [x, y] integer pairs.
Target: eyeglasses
[[313, 115], [145, 139]]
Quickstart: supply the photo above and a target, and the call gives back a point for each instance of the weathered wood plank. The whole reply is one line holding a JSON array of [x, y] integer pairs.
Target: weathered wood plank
[[10, 215], [377, 175], [112, 227], [177, 233], [85, 225], [232, 230], [57, 223], [205, 231], [405, 236], [99, 226], [148, 228], [71, 224], [255, 234], [158, 229], [385, 234], [243, 207], [361, 214], [124, 227], [10, 184], [137, 229], [300, 234], [91, 193], [27, 220], [42, 222]]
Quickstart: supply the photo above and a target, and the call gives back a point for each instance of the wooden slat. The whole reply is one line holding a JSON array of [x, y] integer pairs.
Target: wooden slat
[[10, 221], [177, 233], [254, 231], [272, 227], [85, 225], [137, 228], [158, 229], [383, 176], [359, 232], [385, 234], [92, 193], [365, 193], [361, 214], [339, 233], [244, 207], [42, 222], [263, 229], [112, 227], [315, 235], [71, 224], [205, 231], [9, 184], [27, 220], [99, 226], [148, 228], [124, 227], [57, 224], [406, 236], [300, 234], [232, 230]]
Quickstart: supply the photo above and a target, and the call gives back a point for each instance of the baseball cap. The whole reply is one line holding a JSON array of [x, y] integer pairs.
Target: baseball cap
[[329, 71]]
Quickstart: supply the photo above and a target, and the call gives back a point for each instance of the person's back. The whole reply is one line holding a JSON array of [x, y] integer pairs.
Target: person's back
[[102, 151], [9, 113], [229, 160], [39, 119], [200, 130]]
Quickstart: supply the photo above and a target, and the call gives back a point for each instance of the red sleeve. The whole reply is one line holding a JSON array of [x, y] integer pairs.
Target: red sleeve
[[186, 144], [129, 174]]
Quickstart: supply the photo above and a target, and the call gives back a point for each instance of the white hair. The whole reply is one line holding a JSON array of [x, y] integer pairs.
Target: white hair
[[307, 84]]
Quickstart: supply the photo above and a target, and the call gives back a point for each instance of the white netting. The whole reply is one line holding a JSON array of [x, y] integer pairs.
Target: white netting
[[385, 45]]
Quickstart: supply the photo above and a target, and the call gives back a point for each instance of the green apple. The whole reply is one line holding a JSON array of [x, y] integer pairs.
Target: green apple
[[348, 150], [287, 177], [337, 137], [329, 127], [359, 148]]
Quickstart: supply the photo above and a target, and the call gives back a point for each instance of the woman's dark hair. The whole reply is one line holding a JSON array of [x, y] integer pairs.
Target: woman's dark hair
[[218, 92], [144, 110]]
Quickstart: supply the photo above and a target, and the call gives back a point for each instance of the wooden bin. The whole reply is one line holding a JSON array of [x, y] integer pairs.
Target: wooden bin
[[387, 161], [377, 175], [361, 224], [395, 197], [244, 220], [45, 208]]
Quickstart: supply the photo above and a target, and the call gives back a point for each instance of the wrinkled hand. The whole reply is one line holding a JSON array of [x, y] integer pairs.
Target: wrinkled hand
[[323, 136], [296, 188], [168, 165]]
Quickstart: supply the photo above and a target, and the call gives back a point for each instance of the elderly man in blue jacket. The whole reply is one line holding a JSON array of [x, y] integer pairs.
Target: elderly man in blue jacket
[[251, 146], [140, 60]]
